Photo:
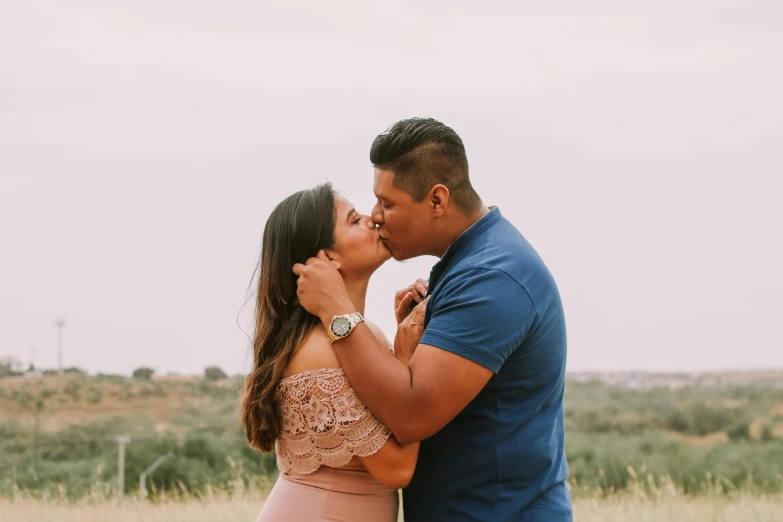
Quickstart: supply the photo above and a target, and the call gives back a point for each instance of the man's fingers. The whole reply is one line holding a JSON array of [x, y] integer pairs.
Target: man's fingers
[[298, 268], [323, 257]]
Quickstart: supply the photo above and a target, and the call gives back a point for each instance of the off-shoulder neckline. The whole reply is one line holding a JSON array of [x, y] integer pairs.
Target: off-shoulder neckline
[[302, 375]]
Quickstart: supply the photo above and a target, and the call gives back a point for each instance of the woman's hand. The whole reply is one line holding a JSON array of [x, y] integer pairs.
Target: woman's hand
[[409, 332], [407, 297]]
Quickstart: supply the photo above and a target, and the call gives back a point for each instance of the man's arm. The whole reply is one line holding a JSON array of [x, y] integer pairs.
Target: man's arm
[[416, 401]]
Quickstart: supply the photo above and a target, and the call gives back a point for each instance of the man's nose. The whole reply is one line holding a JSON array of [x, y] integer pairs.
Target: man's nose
[[376, 215]]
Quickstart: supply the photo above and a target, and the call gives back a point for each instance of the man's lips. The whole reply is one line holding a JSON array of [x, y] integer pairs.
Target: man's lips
[[381, 236]]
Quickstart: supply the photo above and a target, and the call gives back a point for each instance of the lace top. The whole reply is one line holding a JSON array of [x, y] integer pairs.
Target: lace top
[[324, 422]]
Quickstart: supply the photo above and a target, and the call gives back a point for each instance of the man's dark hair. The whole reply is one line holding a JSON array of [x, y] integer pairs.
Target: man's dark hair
[[423, 152]]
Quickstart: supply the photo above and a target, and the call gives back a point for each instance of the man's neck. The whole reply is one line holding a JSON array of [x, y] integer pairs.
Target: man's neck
[[458, 227]]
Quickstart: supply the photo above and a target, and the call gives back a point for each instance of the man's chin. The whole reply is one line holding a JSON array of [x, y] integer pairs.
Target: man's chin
[[398, 256], [394, 252]]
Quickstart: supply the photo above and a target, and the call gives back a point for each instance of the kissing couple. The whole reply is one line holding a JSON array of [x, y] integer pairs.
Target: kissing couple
[[464, 410]]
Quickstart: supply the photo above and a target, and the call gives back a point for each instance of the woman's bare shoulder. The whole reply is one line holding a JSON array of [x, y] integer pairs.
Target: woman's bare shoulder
[[314, 353], [377, 332]]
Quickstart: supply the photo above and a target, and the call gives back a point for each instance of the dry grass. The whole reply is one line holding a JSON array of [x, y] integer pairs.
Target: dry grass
[[219, 508], [208, 511], [742, 509]]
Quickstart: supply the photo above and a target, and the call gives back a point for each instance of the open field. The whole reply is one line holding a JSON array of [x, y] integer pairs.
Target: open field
[[216, 509], [708, 436]]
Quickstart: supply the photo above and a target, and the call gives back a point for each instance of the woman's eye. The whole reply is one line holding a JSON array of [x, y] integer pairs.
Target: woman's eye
[[357, 221], [386, 207]]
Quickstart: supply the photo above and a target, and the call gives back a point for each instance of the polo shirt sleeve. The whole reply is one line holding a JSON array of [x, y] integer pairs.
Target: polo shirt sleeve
[[480, 314]]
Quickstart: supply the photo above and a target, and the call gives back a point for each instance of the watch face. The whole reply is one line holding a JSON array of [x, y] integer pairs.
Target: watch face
[[341, 326]]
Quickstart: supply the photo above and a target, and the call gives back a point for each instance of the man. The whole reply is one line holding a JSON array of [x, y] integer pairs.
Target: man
[[483, 390]]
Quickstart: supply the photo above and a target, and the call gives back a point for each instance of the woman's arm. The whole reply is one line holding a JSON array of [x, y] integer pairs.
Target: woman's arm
[[393, 464]]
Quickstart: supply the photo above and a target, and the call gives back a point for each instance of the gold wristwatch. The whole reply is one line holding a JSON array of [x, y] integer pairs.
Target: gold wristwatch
[[342, 326]]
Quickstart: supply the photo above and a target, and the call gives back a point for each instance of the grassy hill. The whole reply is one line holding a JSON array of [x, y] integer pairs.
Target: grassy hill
[[696, 434], [172, 403]]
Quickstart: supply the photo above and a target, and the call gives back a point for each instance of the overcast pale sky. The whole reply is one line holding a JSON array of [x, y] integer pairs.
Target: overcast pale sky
[[635, 144]]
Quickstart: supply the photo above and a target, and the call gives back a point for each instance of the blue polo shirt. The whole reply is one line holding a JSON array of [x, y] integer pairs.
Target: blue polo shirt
[[493, 301]]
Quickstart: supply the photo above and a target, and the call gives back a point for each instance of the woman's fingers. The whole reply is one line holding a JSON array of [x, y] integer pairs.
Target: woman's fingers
[[404, 307], [417, 315]]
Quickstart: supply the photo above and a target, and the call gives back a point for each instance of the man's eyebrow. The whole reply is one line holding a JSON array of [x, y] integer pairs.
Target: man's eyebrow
[[350, 213]]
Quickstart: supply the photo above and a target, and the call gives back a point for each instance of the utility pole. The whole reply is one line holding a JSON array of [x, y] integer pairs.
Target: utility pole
[[122, 440], [60, 324], [147, 472], [38, 407], [35, 446]]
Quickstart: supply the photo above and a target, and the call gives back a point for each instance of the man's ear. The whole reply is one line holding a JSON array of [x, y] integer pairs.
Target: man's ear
[[439, 200], [332, 255]]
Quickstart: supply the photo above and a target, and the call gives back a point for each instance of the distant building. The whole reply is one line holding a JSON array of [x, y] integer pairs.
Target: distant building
[[33, 374]]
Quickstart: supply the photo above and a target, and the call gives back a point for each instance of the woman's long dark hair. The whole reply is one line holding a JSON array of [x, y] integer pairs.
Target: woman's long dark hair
[[297, 229]]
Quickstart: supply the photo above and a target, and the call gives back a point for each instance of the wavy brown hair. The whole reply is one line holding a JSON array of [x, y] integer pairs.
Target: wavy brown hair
[[296, 230]]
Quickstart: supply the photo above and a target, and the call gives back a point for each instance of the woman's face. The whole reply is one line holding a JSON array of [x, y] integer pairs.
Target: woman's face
[[358, 248]]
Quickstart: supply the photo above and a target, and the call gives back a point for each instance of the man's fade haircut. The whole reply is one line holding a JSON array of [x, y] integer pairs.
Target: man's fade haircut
[[423, 152]]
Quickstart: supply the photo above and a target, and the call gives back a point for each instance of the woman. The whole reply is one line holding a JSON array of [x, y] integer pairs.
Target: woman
[[336, 460]]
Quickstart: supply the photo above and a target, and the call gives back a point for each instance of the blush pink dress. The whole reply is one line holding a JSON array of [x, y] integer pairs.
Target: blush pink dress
[[325, 429]]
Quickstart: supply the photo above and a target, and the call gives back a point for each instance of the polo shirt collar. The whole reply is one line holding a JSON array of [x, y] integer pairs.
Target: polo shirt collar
[[474, 231]]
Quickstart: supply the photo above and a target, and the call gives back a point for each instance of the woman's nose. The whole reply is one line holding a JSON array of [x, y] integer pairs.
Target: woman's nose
[[367, 221]]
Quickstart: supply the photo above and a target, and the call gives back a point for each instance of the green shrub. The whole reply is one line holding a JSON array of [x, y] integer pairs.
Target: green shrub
[[213, 373], [113, 378], [740, 431], [198, 462], [72, 387], [23, 398], [143, 374], [94, 395]]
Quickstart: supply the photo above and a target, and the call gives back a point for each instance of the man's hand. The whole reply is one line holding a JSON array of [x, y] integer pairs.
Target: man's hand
[[409, 333], [321, 290], [406, 299]]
